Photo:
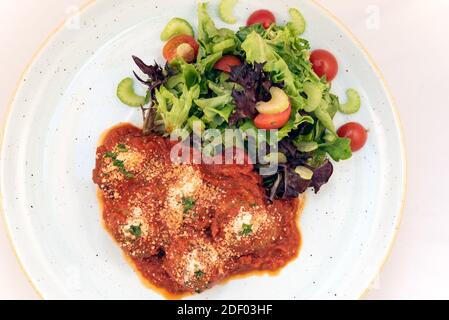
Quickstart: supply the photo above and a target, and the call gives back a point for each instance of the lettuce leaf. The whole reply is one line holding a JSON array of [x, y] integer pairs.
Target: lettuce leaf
[[211, 39], [292, 125], [321, 175], [175, 110], [339, 149], [217, 109], [245, 31], [206, 63], [259, 51], [255, 84], [206, 26]]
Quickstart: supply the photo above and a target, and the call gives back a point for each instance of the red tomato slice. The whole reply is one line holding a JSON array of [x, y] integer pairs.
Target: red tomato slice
[[170, 48], [273, 121], [265, 17], [356, 133], [226, 63], [324, 64]]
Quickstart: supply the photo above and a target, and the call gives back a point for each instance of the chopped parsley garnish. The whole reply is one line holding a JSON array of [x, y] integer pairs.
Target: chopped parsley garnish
[[122, 148], [121, 167], [188, 203], [127, 174], [136, 230], [110, 154], [253, 205], [199, 274], [247, 229], [119, 164]]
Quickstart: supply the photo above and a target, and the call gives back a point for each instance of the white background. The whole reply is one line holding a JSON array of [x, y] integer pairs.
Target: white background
[[409, 41]]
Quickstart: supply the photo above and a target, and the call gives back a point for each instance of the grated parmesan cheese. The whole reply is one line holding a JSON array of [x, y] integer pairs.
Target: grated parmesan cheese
[[131, 159], [188, 183], [136, 219]]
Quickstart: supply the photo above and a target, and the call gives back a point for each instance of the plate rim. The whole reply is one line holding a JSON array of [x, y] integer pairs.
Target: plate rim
[[393, 106]]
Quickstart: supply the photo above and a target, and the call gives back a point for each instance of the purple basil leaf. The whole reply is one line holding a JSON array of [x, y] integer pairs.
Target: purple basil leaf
[[322, 175], [155, 73], [246, 105], [294, 184], [256, 84]]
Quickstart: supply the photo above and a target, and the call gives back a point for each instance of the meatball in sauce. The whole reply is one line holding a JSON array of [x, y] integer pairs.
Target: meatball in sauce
[[186, 227]]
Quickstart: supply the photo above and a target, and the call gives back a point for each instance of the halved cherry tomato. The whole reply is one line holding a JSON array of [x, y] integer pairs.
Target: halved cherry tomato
[[273, 121], [324, 64], [264, 17], [227, 62], [170, 51], [356, 132]]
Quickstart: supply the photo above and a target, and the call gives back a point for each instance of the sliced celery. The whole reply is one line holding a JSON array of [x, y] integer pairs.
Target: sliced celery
[[352, 104]]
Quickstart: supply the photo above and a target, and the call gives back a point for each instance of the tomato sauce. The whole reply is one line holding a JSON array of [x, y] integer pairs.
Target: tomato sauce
[[186, 227]]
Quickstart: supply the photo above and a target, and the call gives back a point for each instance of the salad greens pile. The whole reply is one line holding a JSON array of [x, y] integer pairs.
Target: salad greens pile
[[181, 93]]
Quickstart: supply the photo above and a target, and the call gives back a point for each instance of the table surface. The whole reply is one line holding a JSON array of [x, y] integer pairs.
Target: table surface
[[408, 40]]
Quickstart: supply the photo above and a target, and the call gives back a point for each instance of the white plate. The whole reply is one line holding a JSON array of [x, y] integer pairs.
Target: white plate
[[67, 99]]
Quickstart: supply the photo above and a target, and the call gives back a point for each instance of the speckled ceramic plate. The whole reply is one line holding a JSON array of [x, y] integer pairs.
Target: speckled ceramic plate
[[67, 99]]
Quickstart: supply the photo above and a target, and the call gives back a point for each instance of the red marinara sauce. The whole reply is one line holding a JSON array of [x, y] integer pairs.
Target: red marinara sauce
[[187, 227]]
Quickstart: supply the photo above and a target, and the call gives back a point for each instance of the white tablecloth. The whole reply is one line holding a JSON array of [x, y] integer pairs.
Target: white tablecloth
[[408, 39]]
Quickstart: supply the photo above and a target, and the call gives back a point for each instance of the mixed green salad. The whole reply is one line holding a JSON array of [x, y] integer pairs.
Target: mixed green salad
[[262, 76]]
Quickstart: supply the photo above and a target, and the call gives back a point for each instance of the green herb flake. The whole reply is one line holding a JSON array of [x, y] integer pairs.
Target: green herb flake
[[136, 230], [247, 229], [111, 155], [199, 274], [188, 203], [122, 148], [119, 164], [127, 174]]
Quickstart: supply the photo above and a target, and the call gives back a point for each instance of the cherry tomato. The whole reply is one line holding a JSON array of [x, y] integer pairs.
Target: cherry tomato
[[264, 17], [324, 64], [170, 51], [273, 121], [356, 132], [227, 62]]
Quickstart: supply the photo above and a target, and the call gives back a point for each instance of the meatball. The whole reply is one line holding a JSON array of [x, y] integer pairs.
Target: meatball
[[140, 230], [249, 230], [193, 263]]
